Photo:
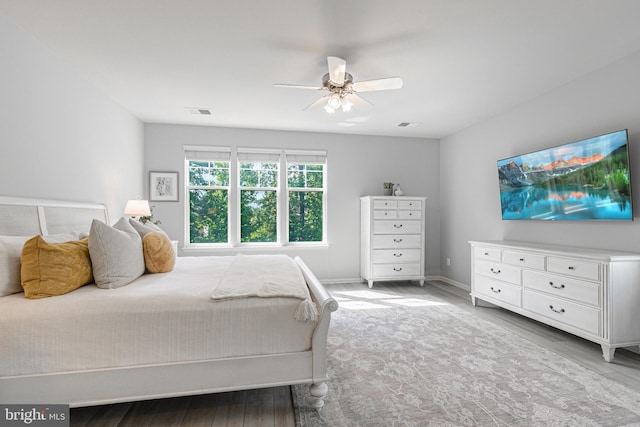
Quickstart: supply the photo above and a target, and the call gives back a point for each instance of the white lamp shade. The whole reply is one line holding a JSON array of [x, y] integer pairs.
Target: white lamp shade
[[137, 208]]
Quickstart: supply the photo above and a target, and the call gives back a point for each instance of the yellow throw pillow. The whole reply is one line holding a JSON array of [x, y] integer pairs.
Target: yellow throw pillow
[[159, 256], [50, 269]]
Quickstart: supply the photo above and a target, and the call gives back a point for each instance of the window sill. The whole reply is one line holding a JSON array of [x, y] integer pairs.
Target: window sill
[[232, 250]]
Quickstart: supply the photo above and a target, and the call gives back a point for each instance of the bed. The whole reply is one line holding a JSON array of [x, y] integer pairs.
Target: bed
[[161, 335]]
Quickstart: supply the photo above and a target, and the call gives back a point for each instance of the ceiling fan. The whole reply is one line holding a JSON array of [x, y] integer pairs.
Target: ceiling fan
[[342, 89]]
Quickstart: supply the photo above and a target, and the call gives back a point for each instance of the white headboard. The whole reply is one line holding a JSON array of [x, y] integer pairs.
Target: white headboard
[[28, 217]]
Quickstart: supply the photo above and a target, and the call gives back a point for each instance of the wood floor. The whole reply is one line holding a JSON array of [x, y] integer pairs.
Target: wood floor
[[274, 406], [269, 407]]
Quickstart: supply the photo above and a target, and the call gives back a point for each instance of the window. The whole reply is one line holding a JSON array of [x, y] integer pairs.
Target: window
[[208, 190], [251, 196], [258, 186], [305, 187]]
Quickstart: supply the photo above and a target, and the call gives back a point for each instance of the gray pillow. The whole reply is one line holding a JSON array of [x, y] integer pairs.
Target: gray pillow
[[147, 228], [116, 253]]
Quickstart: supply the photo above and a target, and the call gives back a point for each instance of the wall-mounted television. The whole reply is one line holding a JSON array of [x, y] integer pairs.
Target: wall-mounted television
[[583, 180]]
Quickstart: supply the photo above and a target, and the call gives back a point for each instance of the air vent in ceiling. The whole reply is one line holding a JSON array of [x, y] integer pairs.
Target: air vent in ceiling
[[408, 124], [199, 111]]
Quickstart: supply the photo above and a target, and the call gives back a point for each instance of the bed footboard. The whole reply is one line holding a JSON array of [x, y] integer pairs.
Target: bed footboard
[[326, 305]]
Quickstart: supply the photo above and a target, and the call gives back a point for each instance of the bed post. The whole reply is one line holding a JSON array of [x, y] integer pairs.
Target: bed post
[[326, 305], [318, 391]]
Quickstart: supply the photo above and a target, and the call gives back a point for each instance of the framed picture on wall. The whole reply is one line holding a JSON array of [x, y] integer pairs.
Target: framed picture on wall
[[163, 186]]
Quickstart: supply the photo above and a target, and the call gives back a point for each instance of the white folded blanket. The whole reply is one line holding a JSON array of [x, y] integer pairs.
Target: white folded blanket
[[266, 276]]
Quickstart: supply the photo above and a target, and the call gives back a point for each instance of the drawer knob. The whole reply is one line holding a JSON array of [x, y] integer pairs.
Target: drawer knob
[[397, 240], [497, 291], [486, 254], [397, 225], [571, 267], [556, 310], [397, 268], [556, 286], [495, 271], [397, 255], [521, 259]]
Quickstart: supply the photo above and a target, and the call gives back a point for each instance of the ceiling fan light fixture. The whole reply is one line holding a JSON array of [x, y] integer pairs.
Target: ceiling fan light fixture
[[334, 101], [329, 109], [346, 105]]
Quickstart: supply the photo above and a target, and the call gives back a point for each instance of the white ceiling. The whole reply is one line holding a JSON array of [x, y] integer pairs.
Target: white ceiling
[[462, 61]]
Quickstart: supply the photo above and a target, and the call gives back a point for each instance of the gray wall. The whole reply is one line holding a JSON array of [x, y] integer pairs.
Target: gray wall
[[357, 166], [60, 137], [597, 103]]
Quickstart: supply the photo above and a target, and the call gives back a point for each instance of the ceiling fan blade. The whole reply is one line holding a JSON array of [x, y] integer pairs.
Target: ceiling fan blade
[[337, 69], [317, 103], [298, 86], [358, 101], [379, 84]]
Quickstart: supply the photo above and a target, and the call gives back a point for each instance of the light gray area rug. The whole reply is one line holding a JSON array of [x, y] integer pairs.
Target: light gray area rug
[[420, 361]]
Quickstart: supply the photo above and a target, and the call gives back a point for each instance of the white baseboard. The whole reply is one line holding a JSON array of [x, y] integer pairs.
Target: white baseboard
[[446, 280], [452, 282], [341, 281]]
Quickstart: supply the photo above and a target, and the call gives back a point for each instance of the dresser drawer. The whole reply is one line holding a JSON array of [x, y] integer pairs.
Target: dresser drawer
[[382, 241], [573, 289], [410, 214], [492, 254], [396, 270], [409, 204], [396, 255], [570, 313], [497, 289], [589, 270], [498, 271], [397, 227], [385, 204], [384, 214], [523, 259]]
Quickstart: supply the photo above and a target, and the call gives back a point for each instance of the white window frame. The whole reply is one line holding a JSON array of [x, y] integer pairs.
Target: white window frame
[[265, 155], [308, 157], [206, 153], [235, 155]]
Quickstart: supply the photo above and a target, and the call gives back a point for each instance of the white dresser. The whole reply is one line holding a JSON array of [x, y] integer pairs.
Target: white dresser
[[392, 238], [594, 294]]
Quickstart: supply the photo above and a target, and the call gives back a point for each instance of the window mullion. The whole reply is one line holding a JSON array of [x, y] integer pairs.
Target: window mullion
[[283, 202], [234, 200]]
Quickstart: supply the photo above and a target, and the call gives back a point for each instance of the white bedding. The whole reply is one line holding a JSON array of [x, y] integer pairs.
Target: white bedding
[[156, 319], [266, 276]]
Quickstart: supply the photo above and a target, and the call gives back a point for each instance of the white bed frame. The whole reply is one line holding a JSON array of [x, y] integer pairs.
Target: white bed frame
[[20, 216]]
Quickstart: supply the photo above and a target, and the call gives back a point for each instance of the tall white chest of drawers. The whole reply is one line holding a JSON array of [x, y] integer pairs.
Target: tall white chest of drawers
[[594, 294], [392, 233]]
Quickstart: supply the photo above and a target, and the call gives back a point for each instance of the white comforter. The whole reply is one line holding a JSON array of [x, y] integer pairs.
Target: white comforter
[[266, 276], [159, 318]]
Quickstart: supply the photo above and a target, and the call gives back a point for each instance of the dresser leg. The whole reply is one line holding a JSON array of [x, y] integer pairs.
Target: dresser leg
[[421, 282], [473, 301], [607, 352], [370, 283]]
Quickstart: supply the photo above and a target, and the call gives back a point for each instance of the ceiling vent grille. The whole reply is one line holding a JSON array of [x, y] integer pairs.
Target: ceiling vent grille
[[408, 124], [199, 111]]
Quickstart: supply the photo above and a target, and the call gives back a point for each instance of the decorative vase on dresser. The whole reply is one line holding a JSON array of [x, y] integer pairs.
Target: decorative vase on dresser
[[591, 293], [392, 238]]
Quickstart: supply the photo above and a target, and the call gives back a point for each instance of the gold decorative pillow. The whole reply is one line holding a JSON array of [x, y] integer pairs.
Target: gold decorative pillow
[[50, 269], [159, 256]]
